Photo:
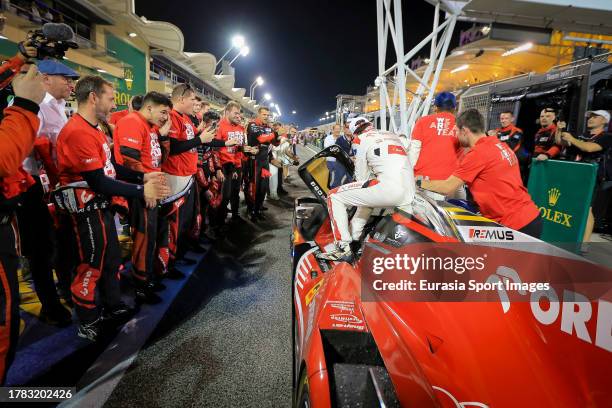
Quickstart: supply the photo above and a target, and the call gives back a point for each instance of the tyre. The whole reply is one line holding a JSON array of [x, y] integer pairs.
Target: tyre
[[303, 392]]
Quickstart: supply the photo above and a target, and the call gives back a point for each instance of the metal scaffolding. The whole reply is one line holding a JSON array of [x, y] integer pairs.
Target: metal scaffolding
[[389, 19]]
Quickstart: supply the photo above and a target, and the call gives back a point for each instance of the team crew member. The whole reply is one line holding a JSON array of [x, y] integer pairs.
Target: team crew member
[[17, 133], [513, 137], [439, 147], [87, 179], [260, 136], [36, 226], [137, 147], [230, 128], [381, 154], [546, 146], [490, 170], [134, 105], [594, 147], [180, 210]]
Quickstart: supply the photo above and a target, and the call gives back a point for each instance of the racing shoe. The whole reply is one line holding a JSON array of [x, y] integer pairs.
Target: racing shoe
[[145, 295], [342, 253], [155, 285], [90, 331], [118, 315]]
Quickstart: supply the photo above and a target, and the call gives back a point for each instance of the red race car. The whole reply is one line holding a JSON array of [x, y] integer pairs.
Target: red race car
[[357, 347]]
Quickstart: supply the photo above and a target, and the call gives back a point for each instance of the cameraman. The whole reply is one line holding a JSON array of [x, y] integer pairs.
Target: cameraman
[[594, 146], [17, 133]]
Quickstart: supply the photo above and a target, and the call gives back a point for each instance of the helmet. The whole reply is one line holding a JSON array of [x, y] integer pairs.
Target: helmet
[[445, 100], [356, 123]]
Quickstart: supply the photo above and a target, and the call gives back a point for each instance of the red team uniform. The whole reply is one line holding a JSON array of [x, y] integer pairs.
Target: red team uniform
[[231, 162], [82, 147], [137, 147], [180, 210], [491, 171], [440, 147]]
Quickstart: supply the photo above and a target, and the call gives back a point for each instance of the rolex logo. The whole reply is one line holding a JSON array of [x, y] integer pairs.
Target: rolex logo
[[129, 78], [553, 196]]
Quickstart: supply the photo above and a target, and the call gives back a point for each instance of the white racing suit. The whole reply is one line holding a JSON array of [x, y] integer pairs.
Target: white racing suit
[[383, 156]]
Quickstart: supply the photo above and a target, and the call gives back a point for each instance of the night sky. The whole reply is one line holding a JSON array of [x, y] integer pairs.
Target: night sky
[[307, 51]]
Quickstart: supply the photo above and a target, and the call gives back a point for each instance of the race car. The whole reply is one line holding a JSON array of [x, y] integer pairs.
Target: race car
[[355, 348]]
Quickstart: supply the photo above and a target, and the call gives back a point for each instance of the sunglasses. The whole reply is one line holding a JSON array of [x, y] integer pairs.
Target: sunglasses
[[187, 88]]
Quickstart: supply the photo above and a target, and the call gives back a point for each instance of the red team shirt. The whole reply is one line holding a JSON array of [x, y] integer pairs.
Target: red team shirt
[[228, 131], [117, 116], [491, 171], [183, 164], [134, 132], [82, 147], [439, 146]]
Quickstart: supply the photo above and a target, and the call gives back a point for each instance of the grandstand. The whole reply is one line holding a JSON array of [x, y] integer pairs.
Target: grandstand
[[135, 54]]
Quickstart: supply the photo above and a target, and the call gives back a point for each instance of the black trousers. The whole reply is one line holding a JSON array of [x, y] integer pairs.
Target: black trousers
[[9, 294], [96, 282], [143, 222], [230, 192], [37, 242], [258, 185], [534, 228], [176, 221]]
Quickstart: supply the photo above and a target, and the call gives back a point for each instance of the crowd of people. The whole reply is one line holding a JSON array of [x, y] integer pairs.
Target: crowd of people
[[449, 153], [168, 167]]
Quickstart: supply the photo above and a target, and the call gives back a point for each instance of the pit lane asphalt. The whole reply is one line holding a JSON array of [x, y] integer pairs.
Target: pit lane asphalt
[[226, 340]]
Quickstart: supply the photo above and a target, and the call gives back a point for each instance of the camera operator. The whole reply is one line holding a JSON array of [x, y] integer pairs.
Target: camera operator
[[36, 226], [17, 133], [490, 169], [594, 146], [88, 186]]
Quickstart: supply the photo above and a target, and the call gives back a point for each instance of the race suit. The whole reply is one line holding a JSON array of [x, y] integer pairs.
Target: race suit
[[257, 171], [545, 142], [382, 156]]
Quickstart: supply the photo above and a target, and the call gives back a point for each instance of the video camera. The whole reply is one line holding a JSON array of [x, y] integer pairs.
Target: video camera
[[52, 41]]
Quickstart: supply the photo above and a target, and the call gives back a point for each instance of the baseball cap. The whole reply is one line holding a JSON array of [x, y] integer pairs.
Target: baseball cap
[[445, 100], [603, 113], [54, 67]]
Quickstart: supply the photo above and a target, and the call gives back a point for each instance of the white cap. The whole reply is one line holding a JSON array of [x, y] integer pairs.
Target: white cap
[[355, 123], [603, 113]]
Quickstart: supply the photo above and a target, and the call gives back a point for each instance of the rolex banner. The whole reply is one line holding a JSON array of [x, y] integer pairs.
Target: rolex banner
[[562, 191]]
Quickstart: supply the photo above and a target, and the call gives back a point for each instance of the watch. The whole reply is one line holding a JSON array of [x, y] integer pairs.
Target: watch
[[418, 183]]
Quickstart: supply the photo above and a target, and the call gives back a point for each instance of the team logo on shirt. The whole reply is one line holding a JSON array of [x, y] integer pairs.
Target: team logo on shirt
[[156, 152], [442, 126], [109, 169]]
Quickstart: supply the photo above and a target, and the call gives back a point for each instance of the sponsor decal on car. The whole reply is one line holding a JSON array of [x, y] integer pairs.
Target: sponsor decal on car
[[488, 234], [346, 318]]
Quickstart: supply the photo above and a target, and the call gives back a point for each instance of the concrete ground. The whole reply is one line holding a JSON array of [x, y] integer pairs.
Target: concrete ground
[[226, 341]]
